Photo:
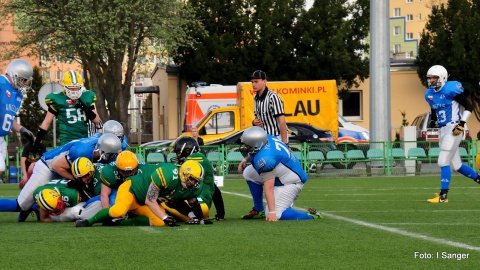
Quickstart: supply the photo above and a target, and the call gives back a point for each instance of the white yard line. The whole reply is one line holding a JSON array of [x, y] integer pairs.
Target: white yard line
[[383, 228]]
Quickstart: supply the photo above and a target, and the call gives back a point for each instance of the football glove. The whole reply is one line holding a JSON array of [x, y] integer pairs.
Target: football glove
[[88, 112], [459, 128], [196, 221], [170, 221]]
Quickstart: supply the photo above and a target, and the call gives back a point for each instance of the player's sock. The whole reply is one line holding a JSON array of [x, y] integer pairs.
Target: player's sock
[[257, 195], [8, 205], [292, 214], [445, 175], [101, 216], [468, 172], [136, 221], [443, 194]]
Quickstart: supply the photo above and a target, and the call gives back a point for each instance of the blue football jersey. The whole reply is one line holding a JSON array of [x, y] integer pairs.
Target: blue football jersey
[[72, 150], [273, 153], [10, 100], [442, 102]]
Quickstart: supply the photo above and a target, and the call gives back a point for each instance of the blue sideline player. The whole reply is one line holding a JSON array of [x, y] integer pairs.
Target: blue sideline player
[[279, 171], [13, 86], [445, 99]]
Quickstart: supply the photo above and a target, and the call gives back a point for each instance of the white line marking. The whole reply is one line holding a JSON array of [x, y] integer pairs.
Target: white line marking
[[383, 228]]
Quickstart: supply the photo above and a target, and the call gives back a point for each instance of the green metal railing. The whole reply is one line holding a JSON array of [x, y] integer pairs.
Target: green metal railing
[[402, 158]]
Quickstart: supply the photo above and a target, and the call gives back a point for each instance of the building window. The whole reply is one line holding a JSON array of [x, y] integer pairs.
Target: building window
[[419, 16], [351, 107], [409, 1], [419, 35], [46, 76], [396, 31], [409, 18], [409, 36], [397, 48], [58, 75], [396, 12]]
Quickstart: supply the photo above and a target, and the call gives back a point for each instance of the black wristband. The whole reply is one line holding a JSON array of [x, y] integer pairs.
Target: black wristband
[[89, 113], [39, 137]]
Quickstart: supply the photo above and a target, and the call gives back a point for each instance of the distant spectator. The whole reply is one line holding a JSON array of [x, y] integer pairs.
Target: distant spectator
[[194, 132]]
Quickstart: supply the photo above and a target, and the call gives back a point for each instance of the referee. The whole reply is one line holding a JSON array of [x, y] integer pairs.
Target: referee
[[268, 108], [270, 115]]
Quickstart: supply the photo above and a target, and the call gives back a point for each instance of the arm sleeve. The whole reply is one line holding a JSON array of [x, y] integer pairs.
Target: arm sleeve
[[433, 115], [464, 101]]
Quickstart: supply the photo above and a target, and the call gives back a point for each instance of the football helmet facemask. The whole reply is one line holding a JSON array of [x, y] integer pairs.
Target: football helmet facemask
[[81, 167], [127, 163], [51, 201], [191, 174], [185, 146], [441, 73], [73, 84], [109, 146], [254, 138], [21, 74]]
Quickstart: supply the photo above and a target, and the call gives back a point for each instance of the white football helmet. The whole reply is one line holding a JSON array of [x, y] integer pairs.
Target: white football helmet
[[442, 74], [254, 138], [114, 127], [109, 146], [21, 72]]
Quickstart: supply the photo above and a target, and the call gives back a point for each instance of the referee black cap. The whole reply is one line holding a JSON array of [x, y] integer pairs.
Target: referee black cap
[[258, 74]]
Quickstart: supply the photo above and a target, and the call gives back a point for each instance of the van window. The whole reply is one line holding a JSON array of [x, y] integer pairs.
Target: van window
[[220, 123]]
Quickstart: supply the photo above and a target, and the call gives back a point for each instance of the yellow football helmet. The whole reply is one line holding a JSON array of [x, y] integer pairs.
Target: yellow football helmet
[[127, 163], [51, 201], [73, 79], [81, 167], [191, 171]]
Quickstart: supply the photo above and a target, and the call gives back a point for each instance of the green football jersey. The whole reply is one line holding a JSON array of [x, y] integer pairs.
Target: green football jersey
[[69, 195], [73, 122], [111, 177], [165, 177], [208, 178]]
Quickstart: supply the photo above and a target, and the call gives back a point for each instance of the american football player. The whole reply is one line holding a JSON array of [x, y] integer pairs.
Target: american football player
[[187, 148], [141, 193], [446, 99], [73, 108], [13, 86], [56, 164], [279, 171]]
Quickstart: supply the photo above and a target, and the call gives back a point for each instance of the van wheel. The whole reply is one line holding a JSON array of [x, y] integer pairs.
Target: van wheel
[[344, 147]]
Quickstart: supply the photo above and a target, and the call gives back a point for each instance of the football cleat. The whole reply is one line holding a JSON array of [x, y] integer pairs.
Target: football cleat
[[254, 214], [23, 215], [82, 223], [314, 214], [438, 199]]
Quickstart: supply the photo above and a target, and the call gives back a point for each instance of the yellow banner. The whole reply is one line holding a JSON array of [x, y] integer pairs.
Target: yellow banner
[[311, 102]]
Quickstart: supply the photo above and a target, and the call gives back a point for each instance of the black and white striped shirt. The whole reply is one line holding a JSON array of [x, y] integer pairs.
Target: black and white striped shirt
[[268, 107]]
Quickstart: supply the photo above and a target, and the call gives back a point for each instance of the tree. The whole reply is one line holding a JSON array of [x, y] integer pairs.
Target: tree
[[105, 36], [281, 38], [451, 39], [330, 41]]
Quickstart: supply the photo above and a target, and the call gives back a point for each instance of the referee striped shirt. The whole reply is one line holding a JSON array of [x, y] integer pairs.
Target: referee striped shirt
[[268, 107]]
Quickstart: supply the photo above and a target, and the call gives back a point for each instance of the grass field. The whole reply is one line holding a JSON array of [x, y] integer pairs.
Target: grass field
[[370, 223]]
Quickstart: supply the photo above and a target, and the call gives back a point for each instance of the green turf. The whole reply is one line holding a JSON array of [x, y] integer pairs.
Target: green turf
[[370, 223]]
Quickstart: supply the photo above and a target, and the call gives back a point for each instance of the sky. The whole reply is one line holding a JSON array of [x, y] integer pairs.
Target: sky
[[308, 4]]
